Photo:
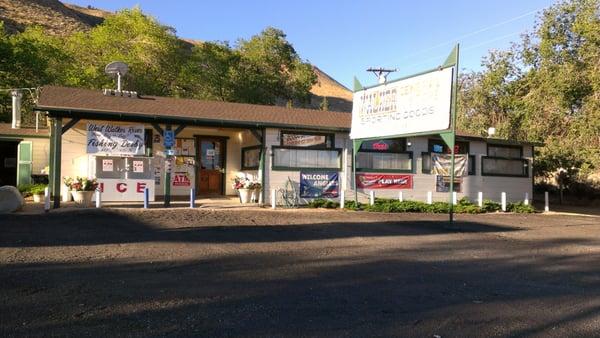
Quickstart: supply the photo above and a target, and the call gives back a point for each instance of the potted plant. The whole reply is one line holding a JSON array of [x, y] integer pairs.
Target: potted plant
[[245, 188], [82, 189], [38, 191]]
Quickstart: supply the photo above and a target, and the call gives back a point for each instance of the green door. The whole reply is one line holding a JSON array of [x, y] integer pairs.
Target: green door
[[25, 155]]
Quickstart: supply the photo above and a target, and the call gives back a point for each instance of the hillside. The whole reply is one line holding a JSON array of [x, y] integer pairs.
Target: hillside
[[62, 18]]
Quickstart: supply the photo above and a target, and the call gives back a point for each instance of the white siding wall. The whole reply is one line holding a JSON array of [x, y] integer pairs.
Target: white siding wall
[[491, 186], [76, 162]]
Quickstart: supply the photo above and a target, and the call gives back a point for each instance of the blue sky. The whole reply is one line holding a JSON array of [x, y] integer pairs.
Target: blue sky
[[344, 38]]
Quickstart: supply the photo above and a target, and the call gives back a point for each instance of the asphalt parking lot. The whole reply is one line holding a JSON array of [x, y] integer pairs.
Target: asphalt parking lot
[[258, 272]]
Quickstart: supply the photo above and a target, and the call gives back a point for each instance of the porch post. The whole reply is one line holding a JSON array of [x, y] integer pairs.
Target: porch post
[[261, 164], [56, 142]]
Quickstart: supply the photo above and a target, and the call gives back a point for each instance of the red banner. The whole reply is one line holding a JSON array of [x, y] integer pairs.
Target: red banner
[[384, 181]]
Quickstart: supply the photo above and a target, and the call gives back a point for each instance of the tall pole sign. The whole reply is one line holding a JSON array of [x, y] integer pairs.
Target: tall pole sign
[[420, 104]]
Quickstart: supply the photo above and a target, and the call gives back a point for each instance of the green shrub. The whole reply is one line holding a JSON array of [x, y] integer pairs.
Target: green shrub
[[351, 205], [520, 207], [30, 189], [323, 203], [490, 206]]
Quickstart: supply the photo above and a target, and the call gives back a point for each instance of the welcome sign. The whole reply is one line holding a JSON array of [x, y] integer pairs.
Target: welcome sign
[[115, 139], [319, 184], [417, 104]]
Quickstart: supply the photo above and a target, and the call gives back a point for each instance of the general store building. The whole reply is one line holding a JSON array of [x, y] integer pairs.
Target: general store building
[[217, 141]]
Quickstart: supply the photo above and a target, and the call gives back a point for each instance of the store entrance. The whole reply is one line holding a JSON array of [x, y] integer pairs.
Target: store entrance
[[8, 162], [211, 170]]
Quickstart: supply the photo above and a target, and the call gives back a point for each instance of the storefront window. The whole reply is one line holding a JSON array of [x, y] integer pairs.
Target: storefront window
[[503, 160], [388, 155], [251, 158], [291, 158], [440, 147]]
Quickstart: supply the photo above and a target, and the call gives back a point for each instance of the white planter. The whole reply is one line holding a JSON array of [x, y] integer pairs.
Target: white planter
[[245, 195], [38, 198], [83, 198], [257, 194]]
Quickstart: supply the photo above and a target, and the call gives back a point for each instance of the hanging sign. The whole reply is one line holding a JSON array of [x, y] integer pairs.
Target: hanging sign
[[303, 140], [384, 181], [106, 138], [319, 184], [414, 105], [441, 164]]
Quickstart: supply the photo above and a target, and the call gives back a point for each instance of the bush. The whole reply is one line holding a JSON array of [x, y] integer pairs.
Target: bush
[[322, 203], [520, 207], [490, 206], [30, 189]]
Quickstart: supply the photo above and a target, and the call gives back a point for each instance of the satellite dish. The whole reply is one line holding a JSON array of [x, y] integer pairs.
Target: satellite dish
[[116, 67], [119, 68]]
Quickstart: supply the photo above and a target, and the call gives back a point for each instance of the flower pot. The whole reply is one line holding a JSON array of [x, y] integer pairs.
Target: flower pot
[[83, 198], [257, 192], [38, 198], [245, 195]]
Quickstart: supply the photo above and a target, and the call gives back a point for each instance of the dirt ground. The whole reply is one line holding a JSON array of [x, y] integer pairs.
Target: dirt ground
[[258, 272]]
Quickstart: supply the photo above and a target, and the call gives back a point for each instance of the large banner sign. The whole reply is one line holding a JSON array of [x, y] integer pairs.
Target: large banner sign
[[441, 164], [115, 139], [319, 184], [384, 181], [417, 104]]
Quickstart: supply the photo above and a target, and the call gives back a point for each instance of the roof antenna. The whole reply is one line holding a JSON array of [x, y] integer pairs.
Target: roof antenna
[[119, 69], [381, 73]]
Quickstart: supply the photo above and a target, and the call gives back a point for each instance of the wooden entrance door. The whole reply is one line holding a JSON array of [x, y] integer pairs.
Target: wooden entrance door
[[210, 169]]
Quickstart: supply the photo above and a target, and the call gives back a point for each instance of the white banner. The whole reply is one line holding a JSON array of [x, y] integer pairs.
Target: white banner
[[414, 105], [441, 164], [115, 139]]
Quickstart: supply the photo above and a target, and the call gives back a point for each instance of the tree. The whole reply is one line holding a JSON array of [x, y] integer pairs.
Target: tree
[[545, 88], [152, 51]]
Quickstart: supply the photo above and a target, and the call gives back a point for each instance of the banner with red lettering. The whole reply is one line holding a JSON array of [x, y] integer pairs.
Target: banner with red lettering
[[384, 181], [115, 189]]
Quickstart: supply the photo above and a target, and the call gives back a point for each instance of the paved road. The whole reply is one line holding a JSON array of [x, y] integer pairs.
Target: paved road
[[302, 273]]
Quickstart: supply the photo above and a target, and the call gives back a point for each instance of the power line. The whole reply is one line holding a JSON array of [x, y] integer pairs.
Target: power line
[[472, 33], [441, 56]]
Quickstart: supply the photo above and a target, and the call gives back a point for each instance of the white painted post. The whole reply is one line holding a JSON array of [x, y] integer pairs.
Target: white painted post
[[260, 198], [46, 199], [400, 196], [480, 199], [546, 202], [454, 198], [372, 197], [98, 199], [192, 198], [342, 199], [146, 198], [526, 201], [273, 198], [503, 201], [429, 197]]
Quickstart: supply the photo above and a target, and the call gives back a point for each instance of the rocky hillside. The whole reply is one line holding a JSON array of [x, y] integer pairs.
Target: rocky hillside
[[62, 18]]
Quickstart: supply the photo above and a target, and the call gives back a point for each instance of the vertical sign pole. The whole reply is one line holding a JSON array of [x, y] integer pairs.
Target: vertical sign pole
[[450, 137], [168, 166]]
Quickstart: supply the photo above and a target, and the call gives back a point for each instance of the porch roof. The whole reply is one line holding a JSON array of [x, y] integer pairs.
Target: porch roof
[[6, 131], [86, 103]]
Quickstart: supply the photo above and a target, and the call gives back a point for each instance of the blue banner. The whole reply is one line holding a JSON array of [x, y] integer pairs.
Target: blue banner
[[319, 184]]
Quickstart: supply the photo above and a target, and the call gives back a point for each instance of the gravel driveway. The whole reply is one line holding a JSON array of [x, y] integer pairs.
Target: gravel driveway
[[258, 272]]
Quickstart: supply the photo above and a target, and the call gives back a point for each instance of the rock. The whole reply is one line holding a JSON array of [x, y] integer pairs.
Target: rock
[[11, 199]]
